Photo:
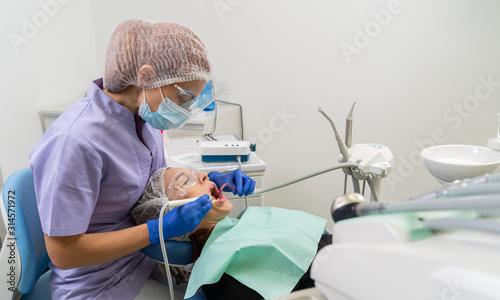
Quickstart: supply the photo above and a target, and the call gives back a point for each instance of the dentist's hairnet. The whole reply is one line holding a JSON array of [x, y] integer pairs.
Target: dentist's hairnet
[[152, 199], [174, 51]]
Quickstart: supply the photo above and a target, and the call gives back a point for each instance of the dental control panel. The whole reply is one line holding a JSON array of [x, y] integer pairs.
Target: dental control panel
[[223, 150]]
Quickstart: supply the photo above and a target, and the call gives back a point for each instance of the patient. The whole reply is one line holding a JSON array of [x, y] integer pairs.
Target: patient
[[275, 253], [176, 184]]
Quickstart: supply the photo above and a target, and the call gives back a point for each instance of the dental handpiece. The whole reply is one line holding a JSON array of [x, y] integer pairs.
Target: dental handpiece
[[176, 203], [343, 148], [348, 127], [348, 142]]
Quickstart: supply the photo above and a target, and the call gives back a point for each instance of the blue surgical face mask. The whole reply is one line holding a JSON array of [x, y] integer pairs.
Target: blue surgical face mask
[[169, 115]]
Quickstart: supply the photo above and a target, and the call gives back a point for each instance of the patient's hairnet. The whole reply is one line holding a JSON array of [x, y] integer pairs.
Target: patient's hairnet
[[152, 199], [174, 51]]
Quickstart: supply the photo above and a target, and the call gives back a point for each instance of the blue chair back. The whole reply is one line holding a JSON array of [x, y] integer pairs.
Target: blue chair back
[[19, 198], [178, 253]]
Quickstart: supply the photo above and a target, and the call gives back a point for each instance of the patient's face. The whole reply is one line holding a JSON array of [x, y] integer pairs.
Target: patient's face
[[203, 186]]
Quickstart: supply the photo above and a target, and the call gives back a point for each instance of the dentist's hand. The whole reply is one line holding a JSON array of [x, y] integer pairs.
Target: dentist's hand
[[180, 220], [244, 185]]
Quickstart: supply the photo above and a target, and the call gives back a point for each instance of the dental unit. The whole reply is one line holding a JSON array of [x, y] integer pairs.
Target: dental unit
[[389, 232], [442, 244]]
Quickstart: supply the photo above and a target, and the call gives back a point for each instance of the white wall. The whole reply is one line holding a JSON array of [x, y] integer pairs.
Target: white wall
[[47, 63], [281, 59], [284, 58]]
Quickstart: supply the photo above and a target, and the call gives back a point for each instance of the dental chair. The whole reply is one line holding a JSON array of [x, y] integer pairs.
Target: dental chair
[[23, 254], [24, 259]]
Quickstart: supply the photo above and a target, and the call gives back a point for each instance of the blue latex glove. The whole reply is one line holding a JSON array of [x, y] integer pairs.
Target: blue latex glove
[[179, 220], [244, 185]]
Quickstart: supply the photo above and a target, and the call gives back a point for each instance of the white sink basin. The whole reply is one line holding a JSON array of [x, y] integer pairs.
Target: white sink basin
[[451, 162]]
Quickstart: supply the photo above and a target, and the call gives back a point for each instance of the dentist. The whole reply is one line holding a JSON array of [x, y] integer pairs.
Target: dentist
[[94, 161]]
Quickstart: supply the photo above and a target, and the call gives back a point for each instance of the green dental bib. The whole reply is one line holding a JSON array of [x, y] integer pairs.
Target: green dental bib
[[267, 249]]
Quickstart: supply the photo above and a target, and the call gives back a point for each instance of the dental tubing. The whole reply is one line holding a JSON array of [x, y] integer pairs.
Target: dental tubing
[[478, 193], [339, 166], [477, 185], [488, 226], [239, 163], [482, 192], [459, 203], [483, 188], [164, 251]]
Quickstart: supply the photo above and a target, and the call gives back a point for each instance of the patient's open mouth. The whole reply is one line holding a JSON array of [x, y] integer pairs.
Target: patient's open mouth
[[214, 192]]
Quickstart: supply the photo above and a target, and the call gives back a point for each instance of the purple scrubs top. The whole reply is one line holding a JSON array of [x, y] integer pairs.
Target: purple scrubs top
[[90, 168]]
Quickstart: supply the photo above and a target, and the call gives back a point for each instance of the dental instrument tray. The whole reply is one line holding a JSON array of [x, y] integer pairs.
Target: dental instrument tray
[[217, 151]]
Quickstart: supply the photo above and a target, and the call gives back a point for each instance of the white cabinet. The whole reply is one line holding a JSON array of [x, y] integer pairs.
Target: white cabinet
[[49, 115]]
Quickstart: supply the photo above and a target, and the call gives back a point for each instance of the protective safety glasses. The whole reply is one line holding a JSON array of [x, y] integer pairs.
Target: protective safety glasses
[[188, 98], [193, 103], [182, 181], [196, 104]]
